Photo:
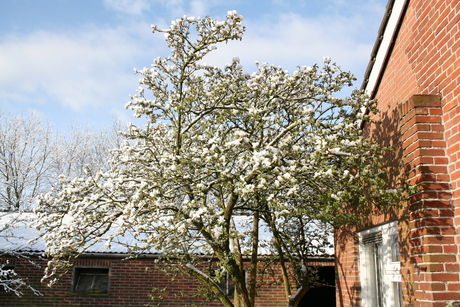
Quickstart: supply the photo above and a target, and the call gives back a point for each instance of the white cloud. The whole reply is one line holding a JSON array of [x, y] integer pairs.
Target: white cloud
[[198, 7], [91, 68], [83, 69], [134, 7], [293, 40], [174, 9]]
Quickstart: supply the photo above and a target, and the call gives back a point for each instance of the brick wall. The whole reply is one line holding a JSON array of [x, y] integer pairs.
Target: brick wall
[[427, 231], [348, 288], [419, 98], [131, 283]]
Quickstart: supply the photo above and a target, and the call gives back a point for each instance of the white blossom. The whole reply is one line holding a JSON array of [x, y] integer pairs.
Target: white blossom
[[221, 145]]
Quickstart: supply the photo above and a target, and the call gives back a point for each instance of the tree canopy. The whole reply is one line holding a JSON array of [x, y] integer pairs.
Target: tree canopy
[[32, 156], [225, 158]]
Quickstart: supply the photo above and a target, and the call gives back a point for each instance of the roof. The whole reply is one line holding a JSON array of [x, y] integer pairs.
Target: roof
[[17, 234], [383, 46]]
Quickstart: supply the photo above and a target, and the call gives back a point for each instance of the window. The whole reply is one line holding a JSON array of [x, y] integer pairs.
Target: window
[[225, 284], [380, 272], [90, 280], [7, 277]]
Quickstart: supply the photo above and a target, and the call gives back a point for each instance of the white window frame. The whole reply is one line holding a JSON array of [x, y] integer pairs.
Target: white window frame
[[390, 268]]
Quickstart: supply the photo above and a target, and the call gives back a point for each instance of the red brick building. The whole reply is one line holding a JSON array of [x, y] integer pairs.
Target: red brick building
[[102, 277], [121, 282], [411, 256]]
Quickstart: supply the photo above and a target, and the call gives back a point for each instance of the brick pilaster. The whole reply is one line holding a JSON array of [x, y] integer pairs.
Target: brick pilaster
[[428, 249]]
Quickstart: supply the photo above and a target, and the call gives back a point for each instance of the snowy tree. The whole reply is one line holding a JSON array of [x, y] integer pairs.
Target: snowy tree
[[32, 156], [84, 150], [25, 148], [225, 158]]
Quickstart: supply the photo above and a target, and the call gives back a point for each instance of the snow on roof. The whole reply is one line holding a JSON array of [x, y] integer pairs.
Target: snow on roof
[[14, 233], [17, 234]]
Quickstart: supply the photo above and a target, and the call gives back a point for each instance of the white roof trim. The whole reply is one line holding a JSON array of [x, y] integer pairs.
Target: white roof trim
[[385, 44]]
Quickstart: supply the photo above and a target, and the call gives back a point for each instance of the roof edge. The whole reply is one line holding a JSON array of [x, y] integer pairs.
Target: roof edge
[[387, 34]]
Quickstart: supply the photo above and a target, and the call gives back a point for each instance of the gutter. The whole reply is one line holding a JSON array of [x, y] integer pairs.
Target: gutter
[[323, 258]]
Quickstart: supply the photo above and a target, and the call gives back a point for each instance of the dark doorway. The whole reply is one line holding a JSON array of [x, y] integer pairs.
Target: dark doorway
[[321, 296]]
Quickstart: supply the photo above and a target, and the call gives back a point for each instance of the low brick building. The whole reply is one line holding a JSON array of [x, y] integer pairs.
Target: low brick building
[[410, 256], [104, 277]]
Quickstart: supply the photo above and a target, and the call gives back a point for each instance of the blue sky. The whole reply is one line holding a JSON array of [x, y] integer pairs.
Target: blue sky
[[72, 61]]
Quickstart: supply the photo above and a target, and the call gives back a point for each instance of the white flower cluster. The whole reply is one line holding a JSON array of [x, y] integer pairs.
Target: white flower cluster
[[219, 144]]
